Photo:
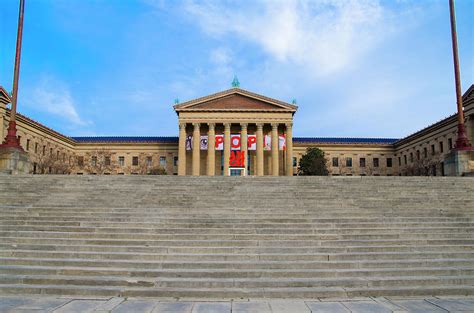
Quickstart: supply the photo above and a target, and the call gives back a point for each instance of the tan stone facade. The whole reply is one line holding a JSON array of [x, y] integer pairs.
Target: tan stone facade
[[251, 117]]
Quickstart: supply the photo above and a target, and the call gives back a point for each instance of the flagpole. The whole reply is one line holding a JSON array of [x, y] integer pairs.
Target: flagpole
[[462, 142], [11, 140]]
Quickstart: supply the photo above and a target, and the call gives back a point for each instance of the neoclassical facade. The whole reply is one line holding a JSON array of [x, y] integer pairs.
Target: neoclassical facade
[[236, 132]]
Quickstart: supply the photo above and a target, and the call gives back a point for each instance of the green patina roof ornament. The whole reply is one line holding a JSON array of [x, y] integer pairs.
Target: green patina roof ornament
[[176, 101], [235, 82], [293, 101]]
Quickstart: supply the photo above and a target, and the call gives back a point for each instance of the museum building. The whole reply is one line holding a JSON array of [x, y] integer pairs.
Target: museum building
[[236, 132]]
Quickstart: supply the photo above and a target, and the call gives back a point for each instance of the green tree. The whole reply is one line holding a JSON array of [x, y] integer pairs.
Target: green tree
[[313, 163]]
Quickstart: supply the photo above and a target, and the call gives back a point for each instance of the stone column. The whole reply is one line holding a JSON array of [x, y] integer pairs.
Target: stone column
[[275, 161], [243, 143], [289, 149], [196, 148], [182, 150], [211, 150], [260, 149], [226, 148]]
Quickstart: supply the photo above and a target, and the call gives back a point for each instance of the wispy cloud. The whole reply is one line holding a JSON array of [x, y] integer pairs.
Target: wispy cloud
[[54, 97], [325, 36]]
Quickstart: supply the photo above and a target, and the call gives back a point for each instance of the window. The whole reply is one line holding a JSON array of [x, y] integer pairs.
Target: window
[[57, 155], [411, 157], [44, 150], [362, 162], [442, 168], [441, 148], [433, 151], [51, 151], [80, 160], [36, 147], [35, 166], [417, 154], [405, 159], [389, 162], [399, 161], [94, 161], [107, 161], [335, 162], [121, 160], [135, 161], [175, 161], [27, 144], [376, 162], [450, 143], [295, 161], [349, 162], [162, 161], [425, 152], [148, 161]]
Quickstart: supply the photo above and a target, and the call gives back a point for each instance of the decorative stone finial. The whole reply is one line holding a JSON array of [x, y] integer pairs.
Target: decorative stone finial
[[293, 101], [176, 101], [235, 82]]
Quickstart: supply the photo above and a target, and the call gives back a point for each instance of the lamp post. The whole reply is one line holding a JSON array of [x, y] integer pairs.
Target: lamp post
[[11, 140], [462, 142]]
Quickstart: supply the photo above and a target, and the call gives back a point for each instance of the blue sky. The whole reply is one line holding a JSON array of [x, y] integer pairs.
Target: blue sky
[[357, 68]]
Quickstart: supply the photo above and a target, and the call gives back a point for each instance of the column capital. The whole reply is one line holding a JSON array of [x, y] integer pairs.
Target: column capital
[[211, 125], [274, 125], [227, 125], [182, 125], [196, 124], [289, 125], [243, 125], [259, 125]]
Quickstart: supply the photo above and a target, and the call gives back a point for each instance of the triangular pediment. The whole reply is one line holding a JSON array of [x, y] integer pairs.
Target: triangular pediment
[[235, 99], [4, 96]]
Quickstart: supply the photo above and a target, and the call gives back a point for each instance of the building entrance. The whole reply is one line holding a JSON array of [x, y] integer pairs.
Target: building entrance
[[236, 171]]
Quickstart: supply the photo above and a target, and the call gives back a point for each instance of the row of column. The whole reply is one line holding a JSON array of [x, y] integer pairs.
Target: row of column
[[211, 152]]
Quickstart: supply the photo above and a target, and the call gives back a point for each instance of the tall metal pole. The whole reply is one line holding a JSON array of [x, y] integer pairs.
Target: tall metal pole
[[11, 140], [462, 143]]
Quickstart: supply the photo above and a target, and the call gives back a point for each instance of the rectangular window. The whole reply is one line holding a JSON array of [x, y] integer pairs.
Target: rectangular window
[[80, 160], [94, 161], [175, 161], [376, 162], [36, 147], [389, 162], [148, 161], [335, 162], [405, 159], [107, 161], [57, 155], [27, 144], [349, 162], [411, 157], [135, 161], [450, 143], [417, 154], [425, 152], [441, 147], [121, 160], [162, 161], [362, 162], [433, 150], [399, 161], [295, 161], [44, 150], [51, 151]]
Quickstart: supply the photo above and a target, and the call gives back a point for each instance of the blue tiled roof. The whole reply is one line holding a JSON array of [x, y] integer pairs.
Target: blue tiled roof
[[166, 139], [344, 140]]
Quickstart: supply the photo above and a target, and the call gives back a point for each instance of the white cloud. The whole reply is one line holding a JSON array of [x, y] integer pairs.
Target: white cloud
[[326, 35], [54, 97]]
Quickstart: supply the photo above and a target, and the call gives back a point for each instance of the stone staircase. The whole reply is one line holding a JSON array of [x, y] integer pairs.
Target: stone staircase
[[232, 237]]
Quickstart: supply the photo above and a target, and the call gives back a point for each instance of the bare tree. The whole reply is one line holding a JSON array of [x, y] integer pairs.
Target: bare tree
[[424, 166], [47, 162], [99, 161]]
